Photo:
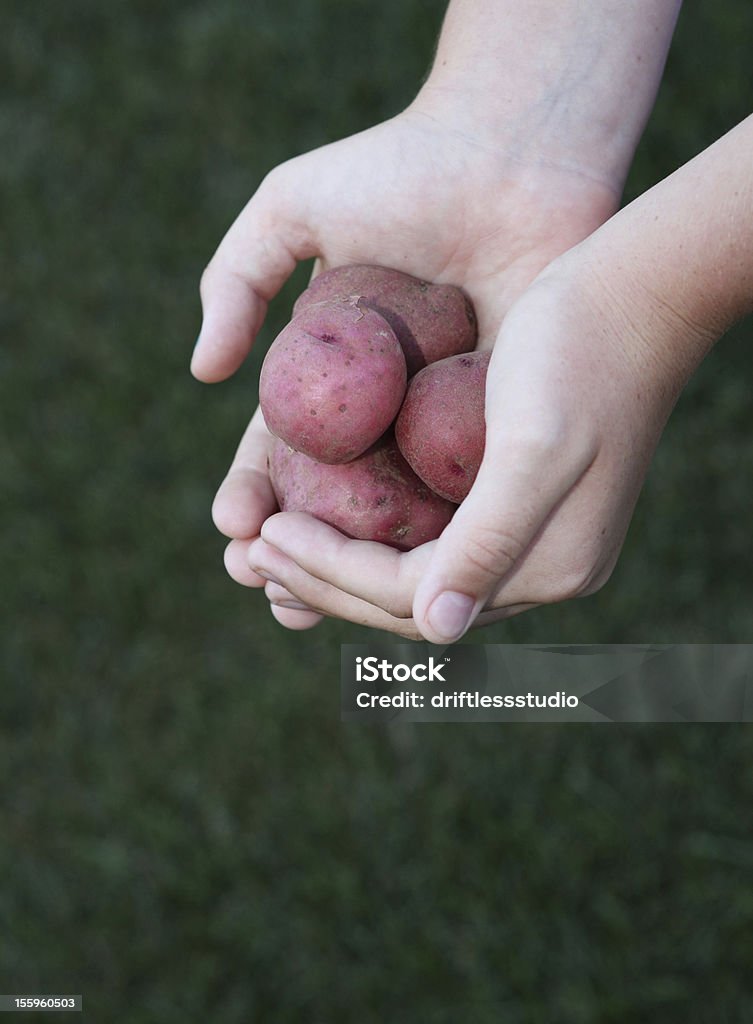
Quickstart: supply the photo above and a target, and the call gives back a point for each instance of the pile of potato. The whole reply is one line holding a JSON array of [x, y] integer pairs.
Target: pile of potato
[[376, 400]]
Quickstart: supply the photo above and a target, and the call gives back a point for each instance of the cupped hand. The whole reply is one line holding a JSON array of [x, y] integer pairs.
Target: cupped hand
[[580, 384], [425, 195]]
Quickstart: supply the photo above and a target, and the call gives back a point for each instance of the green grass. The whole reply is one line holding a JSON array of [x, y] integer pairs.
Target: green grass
[[187, 832]]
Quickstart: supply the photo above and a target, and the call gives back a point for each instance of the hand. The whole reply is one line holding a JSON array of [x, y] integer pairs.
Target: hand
[[580, 384], [588, 365], [515, 149], [423, 196]]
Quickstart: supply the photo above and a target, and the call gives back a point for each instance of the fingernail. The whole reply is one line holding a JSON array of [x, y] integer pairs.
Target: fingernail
[[450, 614]]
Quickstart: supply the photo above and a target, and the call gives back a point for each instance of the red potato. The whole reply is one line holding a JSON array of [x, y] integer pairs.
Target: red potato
[[375, 497], [431, 321], [441, 427], [333, 380]]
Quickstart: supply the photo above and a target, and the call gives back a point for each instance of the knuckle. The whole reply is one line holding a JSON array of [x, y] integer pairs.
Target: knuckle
[[540, 439], [271, 179], [551, 444], [491, 552], [272, 187], [282, 175], [274, 178], [539, 434]]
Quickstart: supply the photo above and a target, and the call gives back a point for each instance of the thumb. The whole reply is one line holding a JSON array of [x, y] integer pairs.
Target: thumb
[[251, 264], [519, 482]]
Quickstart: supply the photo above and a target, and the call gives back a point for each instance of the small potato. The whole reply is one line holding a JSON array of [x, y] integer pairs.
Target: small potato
[[375, 497], [431, 321], [441, 427], [333, 380]]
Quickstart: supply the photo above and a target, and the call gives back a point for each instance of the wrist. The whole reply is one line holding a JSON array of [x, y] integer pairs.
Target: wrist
[[508, 123], [555, 82], [637, 319], [678, 260]]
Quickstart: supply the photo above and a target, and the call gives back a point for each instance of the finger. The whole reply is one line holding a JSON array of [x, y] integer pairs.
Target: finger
[[238, 569], [287, 610], [372, 572], [277, 594], [519, 483], [322, 596], [245, 497], [251, 264], [378, 575], [291, 618]]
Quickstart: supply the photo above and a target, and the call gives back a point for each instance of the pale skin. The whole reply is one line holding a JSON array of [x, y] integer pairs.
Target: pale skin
[[588, 359]]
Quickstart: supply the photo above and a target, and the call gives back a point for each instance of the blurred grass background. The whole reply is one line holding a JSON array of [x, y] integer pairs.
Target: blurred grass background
[[187, 831]]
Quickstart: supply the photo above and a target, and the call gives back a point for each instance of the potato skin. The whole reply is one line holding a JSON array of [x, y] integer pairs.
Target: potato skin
[[431, 321], [333, 380], [441, 428], [375, 497]]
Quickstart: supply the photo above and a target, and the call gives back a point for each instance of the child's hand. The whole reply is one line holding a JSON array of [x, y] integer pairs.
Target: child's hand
[[464, 212]]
